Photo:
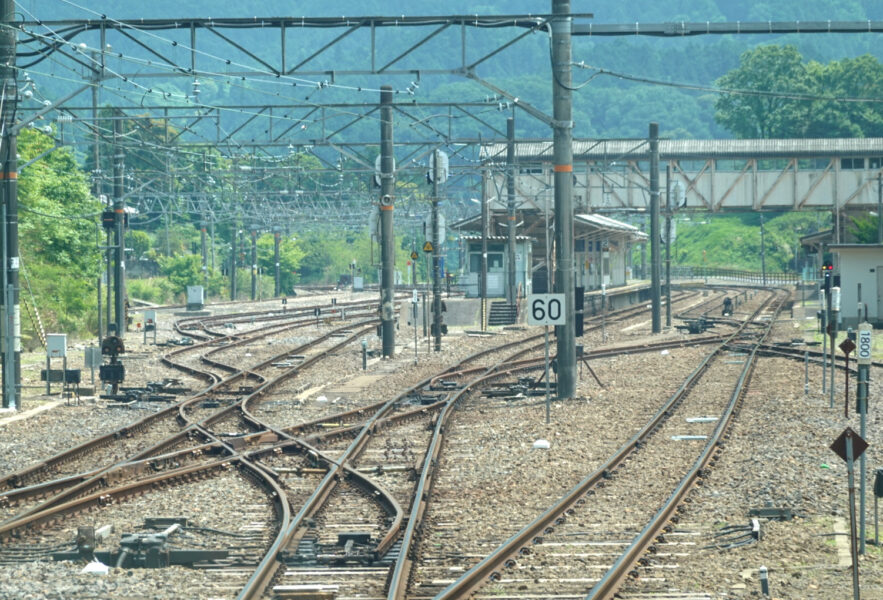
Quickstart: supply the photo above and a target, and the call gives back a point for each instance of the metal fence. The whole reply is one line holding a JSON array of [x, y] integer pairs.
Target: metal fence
[[753, 277]]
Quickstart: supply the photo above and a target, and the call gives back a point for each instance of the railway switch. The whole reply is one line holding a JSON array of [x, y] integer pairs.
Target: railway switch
[[138, 550], [699, 325]]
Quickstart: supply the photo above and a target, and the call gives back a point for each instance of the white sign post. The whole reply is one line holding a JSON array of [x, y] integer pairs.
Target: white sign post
[[865, 346], [545, 310]]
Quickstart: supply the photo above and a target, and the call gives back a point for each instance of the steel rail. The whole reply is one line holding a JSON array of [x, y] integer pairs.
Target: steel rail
[[255, 587], [481, 572], [96, 500], [108, 479], [95, 480], [609, 584]]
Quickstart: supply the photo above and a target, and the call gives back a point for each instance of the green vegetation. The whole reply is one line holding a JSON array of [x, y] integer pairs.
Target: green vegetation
[[794, 101], [200, 189], [58, 230], [732, 241]]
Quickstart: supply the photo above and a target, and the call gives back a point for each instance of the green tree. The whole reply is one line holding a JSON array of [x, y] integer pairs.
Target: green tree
[[779, 73], [182, 270], [860, 77], [864, 229], [57, 238], [138, 241], [290, 257], [772, 69]]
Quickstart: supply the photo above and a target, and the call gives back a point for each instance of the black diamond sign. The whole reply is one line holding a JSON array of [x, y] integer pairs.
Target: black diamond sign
[[859, 445], [847, 346]]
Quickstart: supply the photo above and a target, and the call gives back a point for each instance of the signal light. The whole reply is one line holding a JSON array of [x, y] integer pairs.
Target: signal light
[[108, 219]]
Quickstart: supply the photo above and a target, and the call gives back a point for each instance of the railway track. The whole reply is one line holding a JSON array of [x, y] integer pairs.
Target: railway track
[[369, 452], [586, 544]]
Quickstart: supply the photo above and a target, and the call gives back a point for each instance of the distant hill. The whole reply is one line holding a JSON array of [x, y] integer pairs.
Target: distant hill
[[606, 107]]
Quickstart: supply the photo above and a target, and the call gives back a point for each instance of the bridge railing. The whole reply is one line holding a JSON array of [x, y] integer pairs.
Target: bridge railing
[[735, 275]]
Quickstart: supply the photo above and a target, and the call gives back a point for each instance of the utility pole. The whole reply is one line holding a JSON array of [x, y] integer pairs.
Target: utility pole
[[387, 245], [510, 207], [234, 252], [169, 181], [654, 228], [668, 246], [762, 252], [96, 170], [436, 251], [563, 160], [119, 210], [254, 264], [11, 347], [277, 288], [204, 251], [485, 209], [212, 238], [879, 208]]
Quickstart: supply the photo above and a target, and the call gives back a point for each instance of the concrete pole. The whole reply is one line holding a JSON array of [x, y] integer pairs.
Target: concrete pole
[[108, 269], [436, 253], [485, 218], [668, 246], [387, 245], [254, 265], [234, 252], [277, 275], [212, 239], [202, 240], [510, 209], [563, 160], [762, 252], [654, 228], [119, 209], [96, 173], [11, 347]]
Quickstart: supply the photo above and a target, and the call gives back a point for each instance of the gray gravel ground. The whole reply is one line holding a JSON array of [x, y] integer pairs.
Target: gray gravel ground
[[778, 454]]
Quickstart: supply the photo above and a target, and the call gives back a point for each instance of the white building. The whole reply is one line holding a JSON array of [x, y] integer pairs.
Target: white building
[[860, 267]]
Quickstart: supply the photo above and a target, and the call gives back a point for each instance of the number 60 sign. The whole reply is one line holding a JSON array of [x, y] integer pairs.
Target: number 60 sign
[[545, 309]]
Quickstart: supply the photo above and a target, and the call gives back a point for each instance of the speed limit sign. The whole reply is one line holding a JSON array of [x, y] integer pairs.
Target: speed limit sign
[[545, 309]]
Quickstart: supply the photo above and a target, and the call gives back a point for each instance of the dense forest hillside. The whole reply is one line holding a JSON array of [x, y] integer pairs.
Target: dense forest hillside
[[606, 107]]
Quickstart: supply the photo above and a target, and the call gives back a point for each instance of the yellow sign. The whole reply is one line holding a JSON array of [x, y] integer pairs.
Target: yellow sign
[[427, 247], [413, 255]]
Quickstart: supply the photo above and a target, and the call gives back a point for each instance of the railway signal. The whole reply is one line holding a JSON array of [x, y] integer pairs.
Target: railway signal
[[827, 275]]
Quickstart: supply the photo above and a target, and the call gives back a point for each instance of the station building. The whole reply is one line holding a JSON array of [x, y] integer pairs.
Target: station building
[[602, 250]]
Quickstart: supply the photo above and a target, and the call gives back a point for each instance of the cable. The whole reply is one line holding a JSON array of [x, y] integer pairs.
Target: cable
[[735, 92], [227, 62]]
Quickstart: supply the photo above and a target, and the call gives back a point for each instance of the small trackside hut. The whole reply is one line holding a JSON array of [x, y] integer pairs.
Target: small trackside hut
[[860, 271]]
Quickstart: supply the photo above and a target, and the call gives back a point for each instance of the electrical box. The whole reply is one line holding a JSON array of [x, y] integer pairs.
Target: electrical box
[[195, 297], [93, 357], [56, 345], [150, 317], [358, 284]]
